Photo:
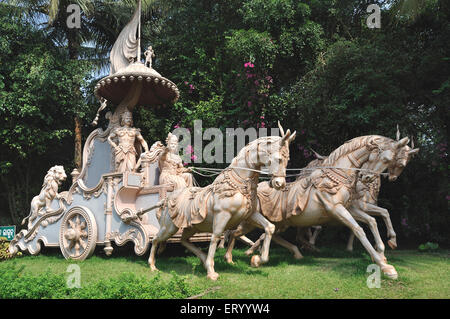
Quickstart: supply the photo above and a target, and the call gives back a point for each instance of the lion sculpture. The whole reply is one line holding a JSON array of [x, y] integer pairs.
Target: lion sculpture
[[40, 204]]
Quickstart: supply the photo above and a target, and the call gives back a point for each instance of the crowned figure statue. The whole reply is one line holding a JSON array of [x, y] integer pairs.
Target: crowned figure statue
[[128, 138], [171, 166]]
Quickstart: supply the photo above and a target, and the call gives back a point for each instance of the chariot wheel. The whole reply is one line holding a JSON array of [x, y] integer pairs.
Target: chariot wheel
[[78, 233]]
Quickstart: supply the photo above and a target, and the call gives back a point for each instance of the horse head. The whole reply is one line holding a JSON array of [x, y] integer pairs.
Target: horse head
[[402, 158], [273, 153]]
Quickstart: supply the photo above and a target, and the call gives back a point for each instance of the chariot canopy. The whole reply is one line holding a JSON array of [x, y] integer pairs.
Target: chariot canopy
[[131, 81]]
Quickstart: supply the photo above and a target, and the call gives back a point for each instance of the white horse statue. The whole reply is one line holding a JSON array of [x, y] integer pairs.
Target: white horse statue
[[366, 204], [228, 201], [325, 195]]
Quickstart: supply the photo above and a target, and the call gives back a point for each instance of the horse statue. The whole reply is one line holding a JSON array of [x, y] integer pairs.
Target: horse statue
[[365, 203], [40, 204], [228, 201], [325, 195], [368, 191]]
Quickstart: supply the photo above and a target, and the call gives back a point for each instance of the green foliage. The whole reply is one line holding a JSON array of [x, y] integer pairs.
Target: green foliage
[[315, 276], [37, 106], [4, 249], [314, 65], [15, 283], [131, 286], [428, 246]]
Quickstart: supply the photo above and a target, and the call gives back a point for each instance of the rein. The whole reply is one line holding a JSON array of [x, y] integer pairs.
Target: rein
[[217, 171]]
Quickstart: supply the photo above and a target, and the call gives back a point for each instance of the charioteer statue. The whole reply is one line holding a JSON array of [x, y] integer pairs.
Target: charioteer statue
[[171, 165]]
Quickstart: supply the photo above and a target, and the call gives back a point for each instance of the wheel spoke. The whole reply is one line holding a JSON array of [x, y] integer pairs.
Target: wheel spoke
[[83, 244]]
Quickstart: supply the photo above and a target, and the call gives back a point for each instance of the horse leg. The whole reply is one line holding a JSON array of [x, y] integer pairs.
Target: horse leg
[[259, 220], [361, 216], [242, 229], [343, 215], [375, 210], [246, 240], [317, 230], [225, 238], [351, 238], [291, 247], [188, 233], [255, 245], [304, 237], [167, 230], [220, 222]]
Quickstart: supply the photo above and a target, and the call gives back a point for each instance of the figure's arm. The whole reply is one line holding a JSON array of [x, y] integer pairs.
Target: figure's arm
[[110, 141], [142, 141]]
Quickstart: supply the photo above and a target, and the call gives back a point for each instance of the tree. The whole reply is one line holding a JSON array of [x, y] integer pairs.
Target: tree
[[36, 103]]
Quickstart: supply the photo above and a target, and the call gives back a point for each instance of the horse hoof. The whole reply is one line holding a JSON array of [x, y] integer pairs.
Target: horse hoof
[[229, 260], [248, 252], [213, 276], [153, 268], [298, 256], [390, 272], [255, 261], [392, 243]]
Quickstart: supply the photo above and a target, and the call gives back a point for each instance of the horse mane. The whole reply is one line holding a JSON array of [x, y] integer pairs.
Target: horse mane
[[353, 145], [269, 139]]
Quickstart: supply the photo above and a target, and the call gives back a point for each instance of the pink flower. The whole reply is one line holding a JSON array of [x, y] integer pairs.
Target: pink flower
[[186, 82], [263, 124], [261, 117], [189, 149], [194, 157], [238, 74], [256, 82], [249, 103], [177, 125], [251, 65]]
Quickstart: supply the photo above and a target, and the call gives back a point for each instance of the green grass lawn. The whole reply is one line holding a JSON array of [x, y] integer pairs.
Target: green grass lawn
[[330, 273]]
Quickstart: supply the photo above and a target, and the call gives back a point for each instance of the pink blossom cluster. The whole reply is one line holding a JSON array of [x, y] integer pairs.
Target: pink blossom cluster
[[404, 222], [306, 153], [262, 124], [442, 148], [191, 86], [249, 65]]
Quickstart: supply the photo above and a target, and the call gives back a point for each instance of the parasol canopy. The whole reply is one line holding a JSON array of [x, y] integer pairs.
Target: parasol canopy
[[129, 78]]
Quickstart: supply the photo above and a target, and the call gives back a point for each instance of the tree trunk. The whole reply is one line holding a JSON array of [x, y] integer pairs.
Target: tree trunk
[[73, 47], [78, 135]]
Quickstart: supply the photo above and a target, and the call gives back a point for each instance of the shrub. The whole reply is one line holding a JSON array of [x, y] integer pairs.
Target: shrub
[[428, 246], [4, 250], [15, 284]]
